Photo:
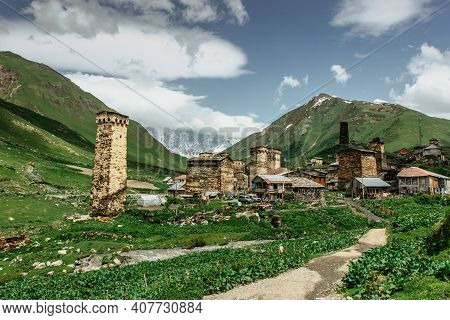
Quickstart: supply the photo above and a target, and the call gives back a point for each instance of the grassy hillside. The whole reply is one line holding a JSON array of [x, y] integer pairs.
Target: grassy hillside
[[314, 128], [38, 88]]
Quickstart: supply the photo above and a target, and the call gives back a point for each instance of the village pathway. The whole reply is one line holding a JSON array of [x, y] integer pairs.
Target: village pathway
[[317, 280], [359, 209], [130, 183]]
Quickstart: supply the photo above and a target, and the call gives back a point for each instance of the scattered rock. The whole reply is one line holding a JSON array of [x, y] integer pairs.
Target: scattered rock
[[247, 214], [50, 273], [23, 274], [56, 263], [39, 265], [281, 249], [117, 262], [77, 217], [62, 252]]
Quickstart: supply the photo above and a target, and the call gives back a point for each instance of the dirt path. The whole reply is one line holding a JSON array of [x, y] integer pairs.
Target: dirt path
[[94, 262], [130, 183], [317, 280], [359, 209]]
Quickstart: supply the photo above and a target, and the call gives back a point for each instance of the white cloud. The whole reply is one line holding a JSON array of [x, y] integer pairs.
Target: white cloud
[[340, 74], [164, 54], [428, 91], [177, 102], [379, 101], [137, 43], [374, 18], [86, 18], [199, 11], [306, 79], [286, 82], [89, 18], [237, 9], [283, 108]]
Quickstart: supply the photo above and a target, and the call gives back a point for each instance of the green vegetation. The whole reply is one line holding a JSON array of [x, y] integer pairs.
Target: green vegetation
[[317, 230], [311, 130], [54, 104], [187, 277], [415, 264]]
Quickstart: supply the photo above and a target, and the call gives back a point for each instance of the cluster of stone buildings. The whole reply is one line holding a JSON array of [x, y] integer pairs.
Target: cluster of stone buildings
[[220, 173], [430, 154], [357, 170], [367, 172]]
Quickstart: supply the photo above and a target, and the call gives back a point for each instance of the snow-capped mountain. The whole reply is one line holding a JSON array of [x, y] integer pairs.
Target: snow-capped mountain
[[189, 143]]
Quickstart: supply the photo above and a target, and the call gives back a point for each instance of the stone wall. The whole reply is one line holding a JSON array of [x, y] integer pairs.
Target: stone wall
[[109, 181], [377, 146], [210, 173], [263, 161], [355, 163]]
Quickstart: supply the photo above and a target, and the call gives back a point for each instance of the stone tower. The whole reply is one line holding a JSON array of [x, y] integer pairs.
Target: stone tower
[[344, 137], [377, 146], [109, 181], [274, 159]]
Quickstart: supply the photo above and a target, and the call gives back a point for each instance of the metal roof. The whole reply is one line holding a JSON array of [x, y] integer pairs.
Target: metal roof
[[373, 182], [179, 186], [274, 178]]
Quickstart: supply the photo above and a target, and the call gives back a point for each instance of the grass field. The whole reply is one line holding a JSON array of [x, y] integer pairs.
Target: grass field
[[415, 264]]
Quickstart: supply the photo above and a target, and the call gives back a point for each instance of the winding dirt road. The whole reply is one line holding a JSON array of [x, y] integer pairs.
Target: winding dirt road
[[317, 280]]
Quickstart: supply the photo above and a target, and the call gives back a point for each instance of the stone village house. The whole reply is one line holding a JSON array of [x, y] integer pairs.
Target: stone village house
[[415, 180], [271, 187], [369, 188]]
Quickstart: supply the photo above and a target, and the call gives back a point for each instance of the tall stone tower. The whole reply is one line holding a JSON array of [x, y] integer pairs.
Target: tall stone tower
[[274, 156], [259, 160], [344, 137], [109, 181], [377, 146]]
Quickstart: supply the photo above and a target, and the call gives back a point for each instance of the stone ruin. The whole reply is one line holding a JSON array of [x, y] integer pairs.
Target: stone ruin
[[109, 181]]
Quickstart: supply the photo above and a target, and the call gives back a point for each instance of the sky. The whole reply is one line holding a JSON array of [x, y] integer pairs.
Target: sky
[[237, 64]]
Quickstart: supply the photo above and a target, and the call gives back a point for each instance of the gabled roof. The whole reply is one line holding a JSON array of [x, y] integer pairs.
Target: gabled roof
[[179, 186], [278, 171], [298, 182], [373, 182], [415, 172], [334, 164], [167, 179], [432, 146], [274, 178]]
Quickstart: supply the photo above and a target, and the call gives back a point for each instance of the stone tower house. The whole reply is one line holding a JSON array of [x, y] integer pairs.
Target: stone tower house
[[263, 161], [109, 181], [210, 172], [378, 147]]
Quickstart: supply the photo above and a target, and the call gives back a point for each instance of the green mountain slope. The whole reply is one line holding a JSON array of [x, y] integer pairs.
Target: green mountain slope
[[27, 130], [44, 91], [314, 128]]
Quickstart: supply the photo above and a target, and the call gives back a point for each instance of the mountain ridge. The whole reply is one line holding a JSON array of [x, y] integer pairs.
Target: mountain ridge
[[313, 127]]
